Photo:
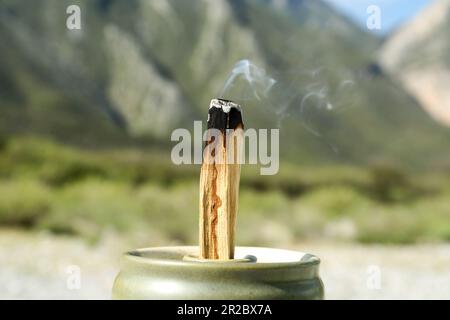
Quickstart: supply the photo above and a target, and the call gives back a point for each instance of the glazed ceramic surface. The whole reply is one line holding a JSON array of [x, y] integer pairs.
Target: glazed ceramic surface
[[255, 273]]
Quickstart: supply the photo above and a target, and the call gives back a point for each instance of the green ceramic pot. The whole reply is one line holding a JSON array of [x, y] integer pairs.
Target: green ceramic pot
[[256, 273]]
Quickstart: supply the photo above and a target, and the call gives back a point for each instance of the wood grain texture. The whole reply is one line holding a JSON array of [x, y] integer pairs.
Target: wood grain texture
[[219, 190]]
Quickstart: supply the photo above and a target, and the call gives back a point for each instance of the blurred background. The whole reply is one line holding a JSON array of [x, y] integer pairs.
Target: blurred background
[[363, 110]]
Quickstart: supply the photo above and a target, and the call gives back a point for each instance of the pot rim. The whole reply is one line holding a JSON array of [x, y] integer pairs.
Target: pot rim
[[179, 252]]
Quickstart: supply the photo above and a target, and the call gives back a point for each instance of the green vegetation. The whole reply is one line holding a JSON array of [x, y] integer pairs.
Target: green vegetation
[[93, 87], [126, 71], [47, 186]]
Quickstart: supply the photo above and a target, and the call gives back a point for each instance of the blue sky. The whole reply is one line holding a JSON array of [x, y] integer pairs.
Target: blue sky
[[393, 12]]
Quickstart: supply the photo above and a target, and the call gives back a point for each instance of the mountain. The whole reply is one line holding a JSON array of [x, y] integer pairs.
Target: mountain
[[138, 69], [417, 55]]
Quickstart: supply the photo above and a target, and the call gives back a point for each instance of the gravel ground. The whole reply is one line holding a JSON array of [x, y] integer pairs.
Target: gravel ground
[[43, 266]]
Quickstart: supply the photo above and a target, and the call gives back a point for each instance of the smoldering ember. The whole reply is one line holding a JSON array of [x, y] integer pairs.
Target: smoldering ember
[[189, 148]]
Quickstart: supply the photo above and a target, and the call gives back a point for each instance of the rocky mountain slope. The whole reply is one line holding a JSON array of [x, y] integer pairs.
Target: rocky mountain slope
[[418, 56], [138, 69]]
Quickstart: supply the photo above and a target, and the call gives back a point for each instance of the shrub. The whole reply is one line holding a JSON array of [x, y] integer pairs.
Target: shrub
[[91, 206], [389, 183], [336, 201], [173, 210], [390, 225], [23, 202]]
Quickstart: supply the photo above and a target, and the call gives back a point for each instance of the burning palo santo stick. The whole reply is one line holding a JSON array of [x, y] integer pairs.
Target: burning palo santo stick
[[219, 180]]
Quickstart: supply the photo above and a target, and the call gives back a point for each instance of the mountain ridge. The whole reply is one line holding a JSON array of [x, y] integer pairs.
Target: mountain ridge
[[417, 56], [141, 69]]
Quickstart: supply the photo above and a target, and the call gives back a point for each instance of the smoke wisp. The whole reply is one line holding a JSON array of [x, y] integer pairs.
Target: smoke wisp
[[312, 96], [247, 81]]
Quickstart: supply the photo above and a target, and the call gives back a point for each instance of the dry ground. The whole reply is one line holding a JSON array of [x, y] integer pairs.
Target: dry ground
[[39, 266]]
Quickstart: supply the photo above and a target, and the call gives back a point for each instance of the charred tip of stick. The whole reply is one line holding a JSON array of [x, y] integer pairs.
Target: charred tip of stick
[[224, 114]]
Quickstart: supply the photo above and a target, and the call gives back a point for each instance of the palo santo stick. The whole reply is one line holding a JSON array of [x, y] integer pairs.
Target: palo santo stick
[[219, 180]]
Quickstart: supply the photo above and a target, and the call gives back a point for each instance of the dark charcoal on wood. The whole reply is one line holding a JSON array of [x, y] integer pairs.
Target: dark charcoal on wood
[[224, 114]]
